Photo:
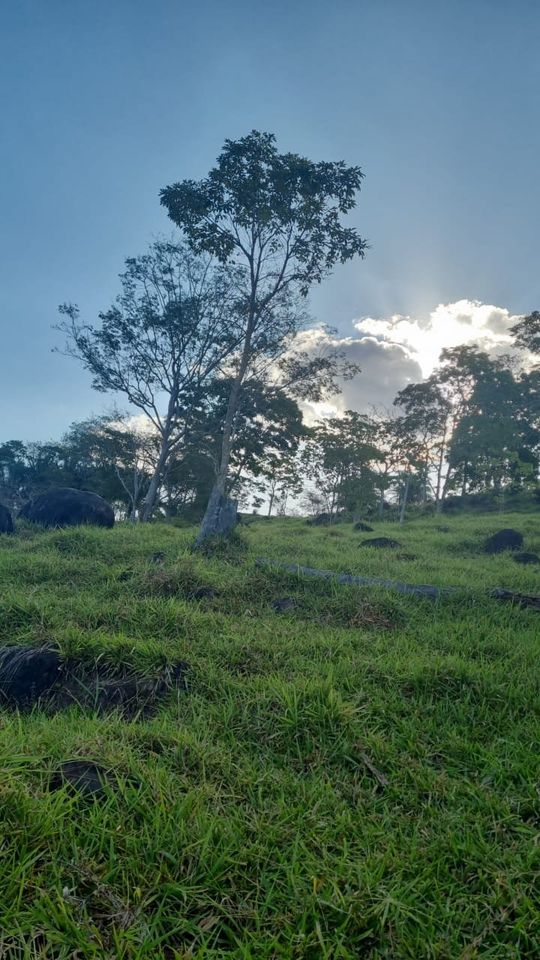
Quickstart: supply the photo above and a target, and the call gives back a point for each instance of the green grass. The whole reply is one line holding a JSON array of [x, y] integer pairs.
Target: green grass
[[246, 822]]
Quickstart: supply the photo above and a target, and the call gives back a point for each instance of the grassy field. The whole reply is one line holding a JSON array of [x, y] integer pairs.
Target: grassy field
[[357, 776]]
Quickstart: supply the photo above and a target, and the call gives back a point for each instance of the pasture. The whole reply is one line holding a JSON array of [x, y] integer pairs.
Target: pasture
[[352, 773]]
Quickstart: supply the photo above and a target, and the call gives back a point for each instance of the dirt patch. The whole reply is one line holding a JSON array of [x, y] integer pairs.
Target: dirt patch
[[104, 690], [232, 548], [184, 583], [371, 616], [40, 675]]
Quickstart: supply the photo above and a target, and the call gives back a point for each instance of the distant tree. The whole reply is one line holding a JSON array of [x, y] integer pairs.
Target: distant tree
[[168, 334], [13, 473], [339, 460], [284, 480], [527, 332], [426, 421], [112, 457], [492, 444], [268, 429], [277, 217]]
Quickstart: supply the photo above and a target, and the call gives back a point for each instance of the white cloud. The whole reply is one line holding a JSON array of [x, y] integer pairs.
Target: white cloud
[[398, 350], [448, 325]]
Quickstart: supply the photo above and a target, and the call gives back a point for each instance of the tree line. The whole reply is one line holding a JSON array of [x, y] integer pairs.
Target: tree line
[[203, 344], [472, 427]]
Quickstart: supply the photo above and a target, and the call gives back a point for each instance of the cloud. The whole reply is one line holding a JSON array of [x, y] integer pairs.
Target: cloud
[[386, 368], [448, 325], [398, 350]]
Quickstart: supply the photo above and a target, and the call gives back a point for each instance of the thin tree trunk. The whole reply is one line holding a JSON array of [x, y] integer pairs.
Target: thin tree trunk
[[151, 496], [153, 489], [439, 494], [271, 503], [404, 500]]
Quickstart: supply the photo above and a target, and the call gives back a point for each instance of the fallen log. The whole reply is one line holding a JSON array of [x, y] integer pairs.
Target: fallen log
[[416, 589], [522, 599], [419, 590]]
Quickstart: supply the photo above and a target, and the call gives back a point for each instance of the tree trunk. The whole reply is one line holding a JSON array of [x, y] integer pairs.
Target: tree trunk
[[404, 500], [151, 496], [218, 517], [439, 494], [271, 502]]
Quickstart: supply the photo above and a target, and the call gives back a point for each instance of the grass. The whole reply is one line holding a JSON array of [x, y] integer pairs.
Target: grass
[[250, 817]]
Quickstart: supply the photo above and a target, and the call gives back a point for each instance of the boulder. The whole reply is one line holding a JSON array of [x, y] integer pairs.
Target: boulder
[[90, 779], [6, 521], [320, 520], [66, 507], [381, 543], [26, 673], [283, 604], [507, 539], [81, 775], [363, 527], [526, 558]]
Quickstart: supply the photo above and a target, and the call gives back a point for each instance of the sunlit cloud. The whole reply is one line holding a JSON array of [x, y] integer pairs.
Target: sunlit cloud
[[397, 350], [448, 325]]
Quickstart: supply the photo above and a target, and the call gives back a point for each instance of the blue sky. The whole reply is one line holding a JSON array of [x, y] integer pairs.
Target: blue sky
[[103, 103]]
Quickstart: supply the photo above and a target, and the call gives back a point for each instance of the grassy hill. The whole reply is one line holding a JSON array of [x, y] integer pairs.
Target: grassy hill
[[356, 776]]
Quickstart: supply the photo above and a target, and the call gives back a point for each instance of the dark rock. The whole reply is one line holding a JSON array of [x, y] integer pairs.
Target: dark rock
[[203, 593], [84, 776], [321, 520], [6, 521], [363, 527], [507, 539], [326, 519], [381, 543], [526, 558], [283, 604], [26, 673], [125, 575], [65, 507], [177, 674]]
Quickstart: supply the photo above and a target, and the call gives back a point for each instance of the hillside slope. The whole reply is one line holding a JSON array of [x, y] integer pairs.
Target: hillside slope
[[352, 774]]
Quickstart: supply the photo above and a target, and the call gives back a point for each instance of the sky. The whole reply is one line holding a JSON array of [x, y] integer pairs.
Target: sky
[[104, 103]]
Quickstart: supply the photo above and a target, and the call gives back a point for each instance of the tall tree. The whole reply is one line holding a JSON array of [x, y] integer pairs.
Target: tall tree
[[277, 217], [168, 334]]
